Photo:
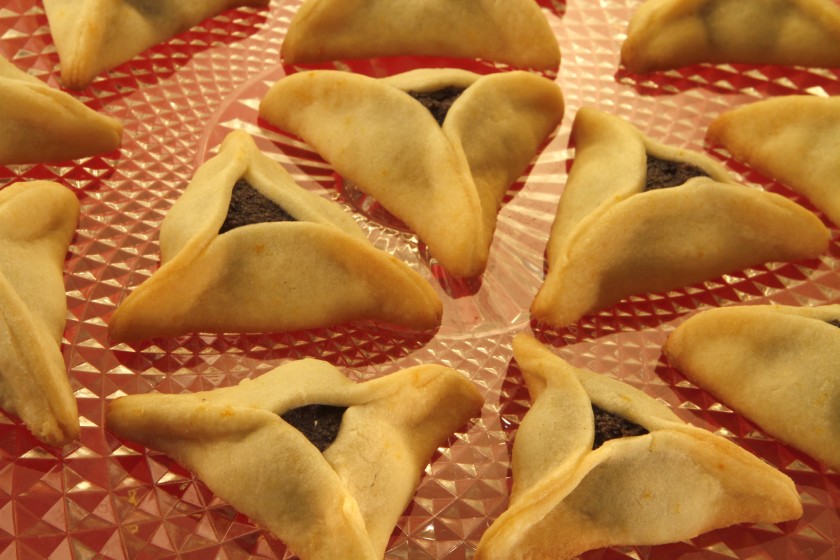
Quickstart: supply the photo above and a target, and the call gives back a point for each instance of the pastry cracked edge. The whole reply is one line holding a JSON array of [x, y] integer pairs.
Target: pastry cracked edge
[[611, 240], [568, 498], [41, 124], [776, 365], [666, 34], [318, 271], [343, 503], [790, 138], [37, 222], [445, 182], [92, 36], [514, 32]]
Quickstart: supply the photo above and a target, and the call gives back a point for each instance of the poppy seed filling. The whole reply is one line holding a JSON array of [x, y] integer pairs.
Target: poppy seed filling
[[612, 426], [320, 423], [438, 102], [248, 206], [663, 173]]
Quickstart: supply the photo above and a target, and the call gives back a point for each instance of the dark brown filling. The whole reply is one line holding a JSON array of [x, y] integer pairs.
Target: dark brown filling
[[835, 322], [318, 422], [612, 426], [248, 206], [663, 173], [438, 102]]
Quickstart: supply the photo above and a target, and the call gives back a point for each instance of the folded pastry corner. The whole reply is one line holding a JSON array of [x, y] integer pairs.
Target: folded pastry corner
[[514, 32], [92, 36], [246, 249], [666, 34], [773, 364], [790, 138], [438, 148], [637, 216], [37, 222], [41, 124], [325, 464], [598, 463]]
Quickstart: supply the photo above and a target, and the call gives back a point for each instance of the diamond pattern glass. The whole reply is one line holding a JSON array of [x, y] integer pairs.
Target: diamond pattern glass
[[105, 498]]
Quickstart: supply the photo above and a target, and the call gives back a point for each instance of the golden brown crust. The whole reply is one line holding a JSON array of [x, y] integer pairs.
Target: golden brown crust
[[792, 139], [315, 272], [339, 504], [776, 365], [445, 182], [92, 36], [673, 483], [513, 32], [42, 124], [665, 34], [611, 240], [37, 221]]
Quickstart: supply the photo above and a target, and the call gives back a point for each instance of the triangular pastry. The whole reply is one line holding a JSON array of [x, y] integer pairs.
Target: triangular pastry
[[514, 32], [793, 139], [665, 34], [245, 249], [598, 463], [325, 464], [618, 231], [41, 124], [37, 222], [92, 36], [775, 365], [445, 181]]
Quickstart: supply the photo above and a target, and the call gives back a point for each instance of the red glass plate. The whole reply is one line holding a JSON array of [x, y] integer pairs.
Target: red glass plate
[[104, 498]]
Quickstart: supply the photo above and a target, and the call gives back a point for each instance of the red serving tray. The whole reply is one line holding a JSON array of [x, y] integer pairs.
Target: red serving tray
[[105, 498]]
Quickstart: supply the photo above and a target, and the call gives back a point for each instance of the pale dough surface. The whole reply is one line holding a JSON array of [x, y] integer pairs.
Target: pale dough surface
[[514, 31], [794, 139], [776, 365], [343, 503], [665, 34], [445, 182], [314, 272], [40, 124], [671, 484], [92, 36], [611, 239], [37, 222]]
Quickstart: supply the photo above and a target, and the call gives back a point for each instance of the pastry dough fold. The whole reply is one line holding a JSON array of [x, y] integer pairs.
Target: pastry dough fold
[[339, 504], [37, 222], [445, 182], [673, 483], [40, 124], [776, 365], [92, 36], [315, 272], [513, 32], [794, 139], [611, 239], [666, 34]]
